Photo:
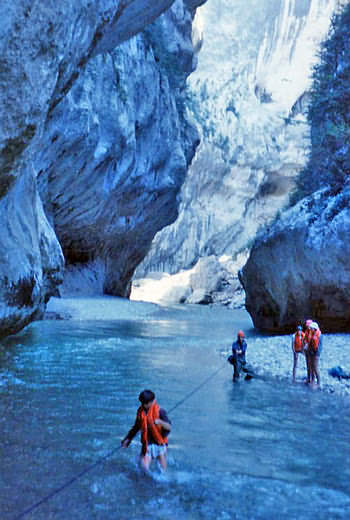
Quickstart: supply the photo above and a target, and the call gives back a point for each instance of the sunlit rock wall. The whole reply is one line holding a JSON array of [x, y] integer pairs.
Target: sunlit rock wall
[[248, 97], [101, 124]]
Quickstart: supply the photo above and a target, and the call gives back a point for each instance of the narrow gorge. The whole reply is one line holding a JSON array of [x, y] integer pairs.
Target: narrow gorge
[[176, 139]]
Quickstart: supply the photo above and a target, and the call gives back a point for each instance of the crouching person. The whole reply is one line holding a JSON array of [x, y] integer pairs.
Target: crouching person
[[239, 348], [155, 426]]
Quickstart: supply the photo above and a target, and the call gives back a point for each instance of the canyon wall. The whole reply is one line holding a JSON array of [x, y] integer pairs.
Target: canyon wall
[[249, 98], [94, 141]]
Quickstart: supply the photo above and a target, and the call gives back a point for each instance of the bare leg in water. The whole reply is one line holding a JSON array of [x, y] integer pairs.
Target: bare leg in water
[[145, 462], [162, 461]]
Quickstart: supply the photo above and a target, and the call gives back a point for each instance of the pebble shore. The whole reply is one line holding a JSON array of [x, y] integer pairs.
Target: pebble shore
[[272, 356]]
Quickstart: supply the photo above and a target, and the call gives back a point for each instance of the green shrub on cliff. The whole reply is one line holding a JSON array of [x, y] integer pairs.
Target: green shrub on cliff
[[329, 112]]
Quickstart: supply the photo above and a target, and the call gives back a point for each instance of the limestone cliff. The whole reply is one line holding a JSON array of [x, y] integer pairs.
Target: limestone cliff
[[94, 132], [248, 96]]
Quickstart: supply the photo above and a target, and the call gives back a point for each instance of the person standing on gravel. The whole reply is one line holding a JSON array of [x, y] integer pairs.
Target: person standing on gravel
[[307, 337], [297, 348], [314, 351]]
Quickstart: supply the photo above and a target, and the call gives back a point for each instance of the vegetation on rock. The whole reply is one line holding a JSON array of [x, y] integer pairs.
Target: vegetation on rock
[[329, 114]]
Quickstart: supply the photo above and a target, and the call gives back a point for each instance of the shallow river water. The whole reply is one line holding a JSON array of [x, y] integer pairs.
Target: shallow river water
[[262, 449]]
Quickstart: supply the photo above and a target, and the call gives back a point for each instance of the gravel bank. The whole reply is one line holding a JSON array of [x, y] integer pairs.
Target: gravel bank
[[272, 356]]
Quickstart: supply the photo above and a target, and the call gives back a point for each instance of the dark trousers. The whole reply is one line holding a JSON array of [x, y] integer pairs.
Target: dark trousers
[[238, 364]]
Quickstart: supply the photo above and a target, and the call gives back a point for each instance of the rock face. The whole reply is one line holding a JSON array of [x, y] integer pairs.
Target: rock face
[[93, 131], [248, 97], [300, 268], [117, 151]]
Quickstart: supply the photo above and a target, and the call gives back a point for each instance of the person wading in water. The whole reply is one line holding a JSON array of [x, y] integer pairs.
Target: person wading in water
[[155, 426]]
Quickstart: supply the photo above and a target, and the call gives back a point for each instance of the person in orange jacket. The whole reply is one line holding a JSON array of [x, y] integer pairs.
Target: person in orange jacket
[[297, 348], [314, 352], [238, 360], [155, 426], [307, 337]]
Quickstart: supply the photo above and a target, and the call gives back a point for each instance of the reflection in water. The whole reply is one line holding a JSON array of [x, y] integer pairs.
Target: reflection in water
[[254, 450]]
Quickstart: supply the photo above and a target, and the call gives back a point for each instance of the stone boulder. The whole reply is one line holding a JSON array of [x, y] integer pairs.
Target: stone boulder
[[300, 269]]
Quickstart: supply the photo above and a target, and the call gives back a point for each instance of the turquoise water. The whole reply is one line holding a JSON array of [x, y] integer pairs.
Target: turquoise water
[[262, 449]]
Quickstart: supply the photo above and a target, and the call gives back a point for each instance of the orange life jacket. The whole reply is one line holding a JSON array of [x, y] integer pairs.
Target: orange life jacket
[[308, 335], [315, 340], [298, 341], [146, 420]]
